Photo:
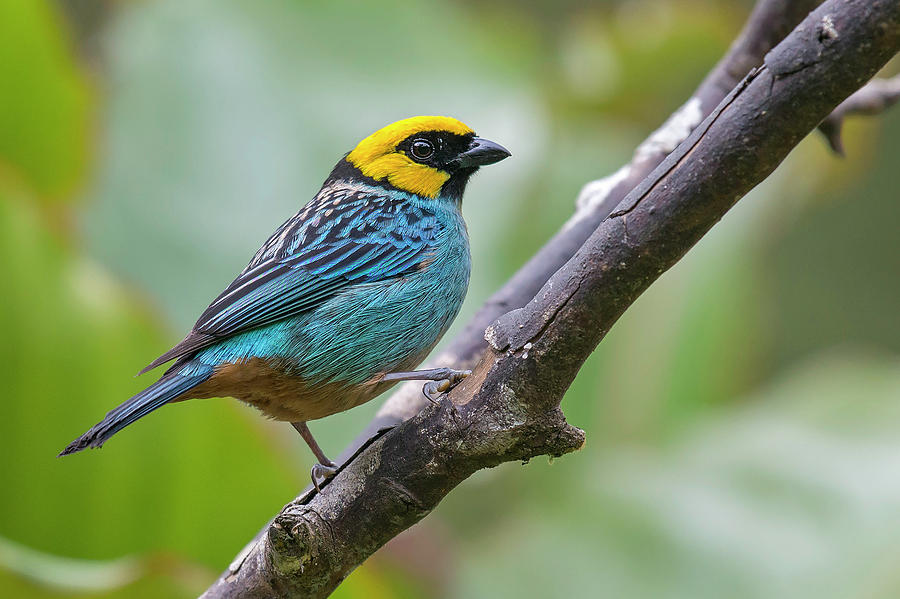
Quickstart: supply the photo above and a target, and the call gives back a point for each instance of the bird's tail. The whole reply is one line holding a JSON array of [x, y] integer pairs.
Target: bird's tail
[[156, 395]]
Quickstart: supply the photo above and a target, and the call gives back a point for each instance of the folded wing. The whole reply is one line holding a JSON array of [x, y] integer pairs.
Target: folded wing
[[313, 256]]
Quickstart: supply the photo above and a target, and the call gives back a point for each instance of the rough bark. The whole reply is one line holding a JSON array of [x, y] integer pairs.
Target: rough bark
[[509, 408]]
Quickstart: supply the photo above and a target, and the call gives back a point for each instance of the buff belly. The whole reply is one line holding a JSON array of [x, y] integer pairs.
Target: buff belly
[[283, 396]]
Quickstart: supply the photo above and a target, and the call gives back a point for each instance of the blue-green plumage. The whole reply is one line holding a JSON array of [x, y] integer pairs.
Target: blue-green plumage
[[398, 293], [361, 282]]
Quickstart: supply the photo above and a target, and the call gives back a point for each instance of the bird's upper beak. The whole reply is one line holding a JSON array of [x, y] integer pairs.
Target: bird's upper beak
[[481, 152]]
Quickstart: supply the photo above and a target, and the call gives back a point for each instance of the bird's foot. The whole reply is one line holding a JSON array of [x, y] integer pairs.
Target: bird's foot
[[441, 380], [323, 472], [434, 389]]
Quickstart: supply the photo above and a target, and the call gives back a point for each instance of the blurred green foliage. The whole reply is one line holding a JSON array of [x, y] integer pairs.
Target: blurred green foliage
[[743, 418], [45, 109]]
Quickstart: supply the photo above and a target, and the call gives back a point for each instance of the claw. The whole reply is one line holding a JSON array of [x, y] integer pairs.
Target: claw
[[457, 376], [323, 471], [433, 390]]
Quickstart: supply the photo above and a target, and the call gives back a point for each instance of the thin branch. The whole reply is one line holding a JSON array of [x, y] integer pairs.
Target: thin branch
[[877, 96], [508, 409]]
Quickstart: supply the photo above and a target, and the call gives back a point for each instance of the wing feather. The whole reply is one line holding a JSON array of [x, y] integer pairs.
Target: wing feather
[[322, 250]]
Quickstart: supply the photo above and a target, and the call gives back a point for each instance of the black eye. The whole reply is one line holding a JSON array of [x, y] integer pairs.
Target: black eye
[[421, 149]]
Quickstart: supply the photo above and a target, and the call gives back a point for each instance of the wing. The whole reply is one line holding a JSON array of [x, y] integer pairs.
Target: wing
[[339, 239]]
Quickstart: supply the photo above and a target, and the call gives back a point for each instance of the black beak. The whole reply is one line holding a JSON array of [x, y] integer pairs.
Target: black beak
[[481, 152]]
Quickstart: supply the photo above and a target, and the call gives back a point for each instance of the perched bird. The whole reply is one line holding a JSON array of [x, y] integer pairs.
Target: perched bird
[[345, 298]]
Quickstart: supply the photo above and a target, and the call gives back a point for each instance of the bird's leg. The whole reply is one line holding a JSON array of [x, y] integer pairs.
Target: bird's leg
[[432, 374], [325, 468], [441, 380]]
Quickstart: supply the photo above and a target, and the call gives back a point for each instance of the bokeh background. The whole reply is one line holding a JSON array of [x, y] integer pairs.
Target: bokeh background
[[743, 418]]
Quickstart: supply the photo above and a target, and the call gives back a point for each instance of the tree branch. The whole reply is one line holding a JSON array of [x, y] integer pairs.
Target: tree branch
[[877, 96], [767, 25], [509, 408]]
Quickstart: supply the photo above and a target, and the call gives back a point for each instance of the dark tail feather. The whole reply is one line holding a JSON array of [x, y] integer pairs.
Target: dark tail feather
[[151, 398], [191, 343]]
